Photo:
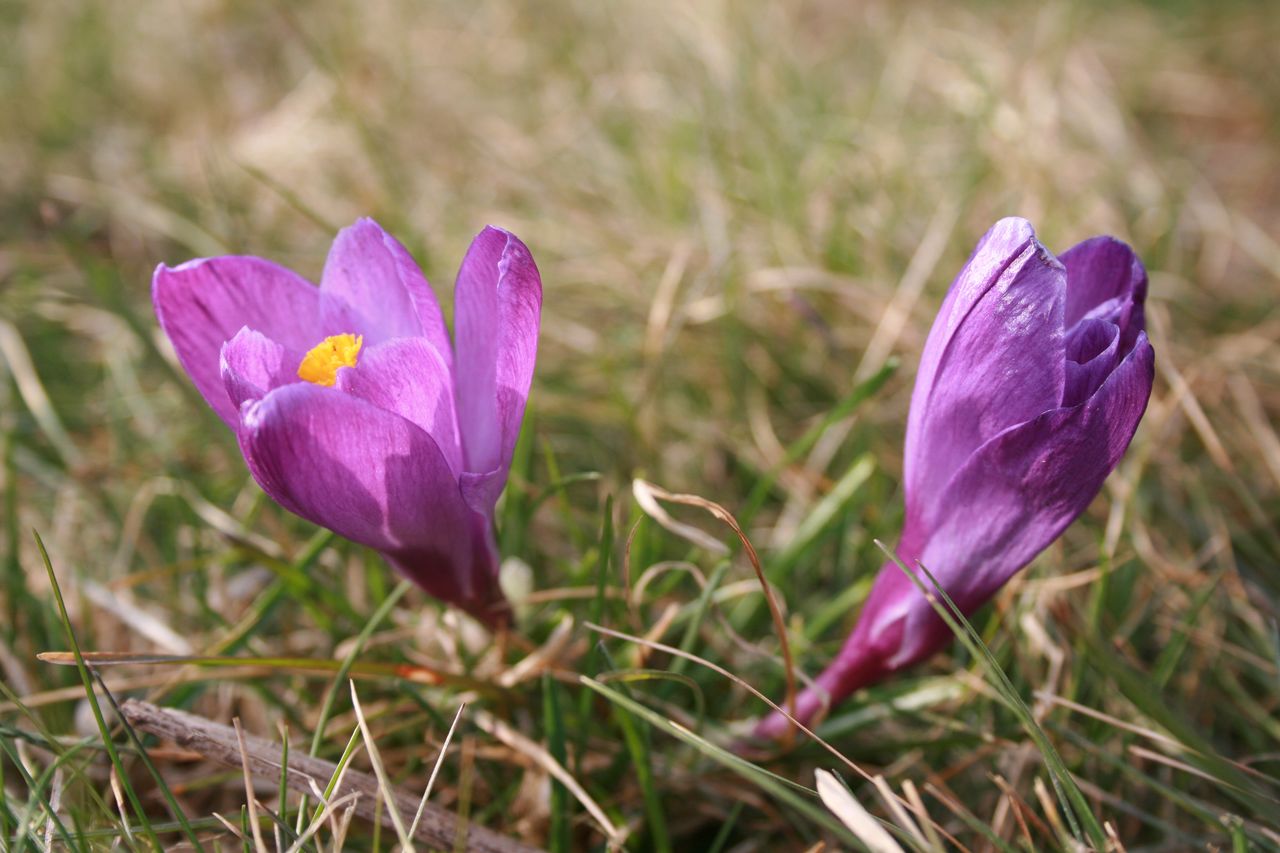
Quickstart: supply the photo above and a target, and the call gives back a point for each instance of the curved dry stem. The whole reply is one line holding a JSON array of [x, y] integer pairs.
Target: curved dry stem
[[775, 611]]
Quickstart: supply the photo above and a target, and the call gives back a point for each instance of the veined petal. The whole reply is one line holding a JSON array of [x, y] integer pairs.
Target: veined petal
[[977, 514], [253, 365], [1103, 269], [1018, 492], [203, 303], [993, 359], [408, 376], [479, 594], [1014, 497], [1004, 243], [497, 305], [372, 286], [366, 474]]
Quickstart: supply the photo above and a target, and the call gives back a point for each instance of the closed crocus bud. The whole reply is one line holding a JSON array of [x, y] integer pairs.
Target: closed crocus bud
[[1031, 385], [352, 408]]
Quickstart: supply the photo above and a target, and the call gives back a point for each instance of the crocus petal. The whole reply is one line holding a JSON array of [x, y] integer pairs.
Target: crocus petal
[[479, 593], [1014, 497], [1092, 352], [409, 377], [861, 661], [253, 365], [481, 491], [371, 476], [497, 303], [203, 303], [1103, 269], [1001, 319], [999, 247], [371, 286], [985, 496], [1019, 492]]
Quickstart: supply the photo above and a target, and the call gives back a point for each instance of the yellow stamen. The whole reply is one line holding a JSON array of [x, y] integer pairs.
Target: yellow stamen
[[321, 364]]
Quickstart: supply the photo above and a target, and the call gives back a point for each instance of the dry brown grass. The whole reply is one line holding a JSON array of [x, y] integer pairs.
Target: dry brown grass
[[739, 210]]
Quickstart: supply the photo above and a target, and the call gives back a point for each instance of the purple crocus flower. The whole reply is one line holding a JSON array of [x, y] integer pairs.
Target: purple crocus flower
[[1032, 382], [352, 408]]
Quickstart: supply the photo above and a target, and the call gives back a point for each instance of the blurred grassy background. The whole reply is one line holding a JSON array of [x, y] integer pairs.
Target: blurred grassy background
[[740, 211]]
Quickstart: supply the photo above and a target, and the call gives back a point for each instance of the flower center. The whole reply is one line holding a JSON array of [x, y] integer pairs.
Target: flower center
[[321, 364]]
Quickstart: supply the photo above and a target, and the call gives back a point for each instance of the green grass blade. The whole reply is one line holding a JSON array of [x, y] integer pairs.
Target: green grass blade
[[340, 678], [599, 605], [776, 786], [156, 776], [1074, 805], [348, 752], [344, 670], [35, 790], [638, 748], [690, 635], [92, 698], [1167, 663], [821, 516], [559, 839], [846, 407], [1147, 698], [980, 826], [726, 829], [604, 551]]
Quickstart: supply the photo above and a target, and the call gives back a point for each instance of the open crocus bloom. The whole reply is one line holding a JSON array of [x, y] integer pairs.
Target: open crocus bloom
[[352, 408], [1031, 385]]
